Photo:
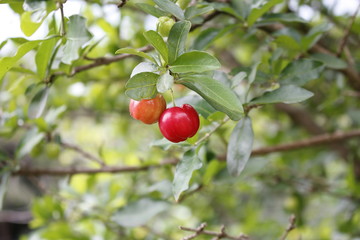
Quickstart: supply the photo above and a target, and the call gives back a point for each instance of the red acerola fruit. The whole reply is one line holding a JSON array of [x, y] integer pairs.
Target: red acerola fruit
[[179, 123], [148, 110]]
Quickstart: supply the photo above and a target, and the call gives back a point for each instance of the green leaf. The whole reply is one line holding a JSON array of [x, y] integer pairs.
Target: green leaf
[[223, 7], [28, 27], [216, 94], [139, 213], [195, 11], [151, 9], [210, 35], [240, 146], [77, 35], [256, 13], [142, 86], [29, 141], [158, 43], [35, 14], [238, 78], [170, 7], [144, 67], [43, 56], [287, 42], [38, 103], [53, 114], [314, 35], [282, 17], [134, 52], [330, 61], [3, 186], [184, 170], [301, 71], [205, 38], [285, 94], [7, 63], [165, 82], [195, 61], [253, 72], [177, 39]]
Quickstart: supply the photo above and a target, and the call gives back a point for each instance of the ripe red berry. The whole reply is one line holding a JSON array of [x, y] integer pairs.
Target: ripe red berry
[[148, 110], [179, 123]]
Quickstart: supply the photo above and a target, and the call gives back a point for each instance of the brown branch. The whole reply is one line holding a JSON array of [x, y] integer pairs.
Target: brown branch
[[217, 235], [98, 62], [311, 142], [84, 170], [289, 228], [347, 32], [15, 216]]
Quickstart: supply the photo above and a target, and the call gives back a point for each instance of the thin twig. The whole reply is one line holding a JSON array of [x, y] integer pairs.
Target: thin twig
[[218, 235], [290, 227], [97, 63], [207, 135], [347, 32], [198, 231], [82, 152]]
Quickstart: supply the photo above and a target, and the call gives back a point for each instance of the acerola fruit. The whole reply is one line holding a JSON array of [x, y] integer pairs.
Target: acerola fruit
[[148, 110], [179, 123], [164, 25]]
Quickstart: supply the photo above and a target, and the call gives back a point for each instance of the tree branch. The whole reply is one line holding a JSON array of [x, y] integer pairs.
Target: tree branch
[[21, 217], [347, 32], [289, 228], [85, 170], [311, 142], [217, 235], [98, 62]]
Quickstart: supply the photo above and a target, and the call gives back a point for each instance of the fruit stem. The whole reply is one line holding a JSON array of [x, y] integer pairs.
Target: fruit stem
[[207, 135], [172, 97]]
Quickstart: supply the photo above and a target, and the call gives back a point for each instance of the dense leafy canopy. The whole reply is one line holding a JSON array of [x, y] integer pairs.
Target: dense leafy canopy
[[263, 79]]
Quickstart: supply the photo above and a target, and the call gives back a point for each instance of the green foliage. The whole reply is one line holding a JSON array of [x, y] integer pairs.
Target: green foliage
[[170, 7], [158, 43], [177, 39], [64, 107], [134, 52], [285, 94], [142, 85], [38, 103], [76, 37], [184, 170], [194, 61], [240, 146], [216, 94]]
